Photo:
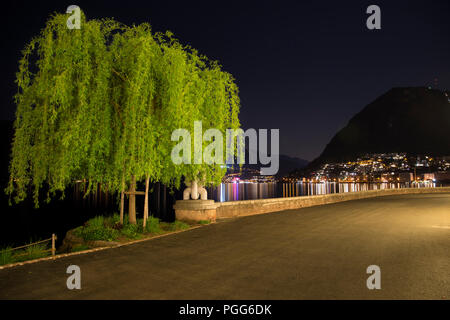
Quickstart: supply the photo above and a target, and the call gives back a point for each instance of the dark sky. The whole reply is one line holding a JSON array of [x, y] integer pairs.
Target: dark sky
[[304, 67]]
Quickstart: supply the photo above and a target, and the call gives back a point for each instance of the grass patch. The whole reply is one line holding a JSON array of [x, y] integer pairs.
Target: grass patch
[[132, 231], [80, 247], [204, 222], [98, 228], [153, 226], [6, 256], [36, 251], [98, 233], [174, 226], [179, 225], [110, 229], [32, 252]]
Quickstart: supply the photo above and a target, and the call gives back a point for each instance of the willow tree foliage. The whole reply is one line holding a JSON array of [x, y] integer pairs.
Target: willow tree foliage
[[195, 89], [99, 104], [63, 120]]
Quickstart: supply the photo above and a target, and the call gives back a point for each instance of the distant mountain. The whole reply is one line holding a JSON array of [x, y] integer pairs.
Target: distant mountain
[[286, 165], [289, 164], [412, 120]]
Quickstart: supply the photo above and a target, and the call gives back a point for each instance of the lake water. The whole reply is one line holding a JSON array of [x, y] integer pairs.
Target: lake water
[[249, 191]]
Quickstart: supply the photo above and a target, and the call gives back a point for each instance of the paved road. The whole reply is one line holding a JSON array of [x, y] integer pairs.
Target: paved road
[[312, 253]]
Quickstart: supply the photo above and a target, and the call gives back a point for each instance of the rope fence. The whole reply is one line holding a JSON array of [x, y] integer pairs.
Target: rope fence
[[52, 249]]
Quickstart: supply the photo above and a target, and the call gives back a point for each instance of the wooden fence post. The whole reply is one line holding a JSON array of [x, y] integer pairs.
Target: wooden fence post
[[53, 245]]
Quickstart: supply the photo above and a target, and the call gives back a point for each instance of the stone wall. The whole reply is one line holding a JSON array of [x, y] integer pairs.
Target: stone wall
[[251, 207]]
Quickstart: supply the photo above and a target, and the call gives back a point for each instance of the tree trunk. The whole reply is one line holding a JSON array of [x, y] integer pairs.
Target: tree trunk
[[146, 202], [132, 202], [122, 201]]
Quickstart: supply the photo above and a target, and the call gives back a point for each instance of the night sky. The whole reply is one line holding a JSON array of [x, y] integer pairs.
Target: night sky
[[304, 67]]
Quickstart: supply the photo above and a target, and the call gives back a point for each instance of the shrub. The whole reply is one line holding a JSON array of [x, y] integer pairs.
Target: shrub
[[112, 221], [132, 231], [96, 222], [99, 233], [109, 228], [153, 225], [96, 229]]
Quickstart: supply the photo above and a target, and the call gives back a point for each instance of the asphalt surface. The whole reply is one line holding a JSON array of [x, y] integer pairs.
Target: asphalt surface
[[312, 253]]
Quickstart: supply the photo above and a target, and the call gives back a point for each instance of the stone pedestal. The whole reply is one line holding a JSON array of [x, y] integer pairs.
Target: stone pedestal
[[195, 210]]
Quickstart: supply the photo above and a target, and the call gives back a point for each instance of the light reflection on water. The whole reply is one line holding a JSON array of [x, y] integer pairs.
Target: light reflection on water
[[249, 191]]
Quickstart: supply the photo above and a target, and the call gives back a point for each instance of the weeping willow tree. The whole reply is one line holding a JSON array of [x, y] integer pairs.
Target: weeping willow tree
[[63, 119], [99, 104], [135, 57], [194, 88]]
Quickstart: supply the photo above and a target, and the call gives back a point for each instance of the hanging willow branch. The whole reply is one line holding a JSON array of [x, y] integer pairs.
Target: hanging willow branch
[[100, 104]]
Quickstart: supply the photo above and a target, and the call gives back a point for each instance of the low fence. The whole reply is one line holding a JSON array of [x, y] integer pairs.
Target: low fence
[[52, 249], [233, 209]]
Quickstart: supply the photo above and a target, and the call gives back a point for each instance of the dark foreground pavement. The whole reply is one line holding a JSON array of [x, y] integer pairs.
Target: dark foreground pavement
[[312, 253]]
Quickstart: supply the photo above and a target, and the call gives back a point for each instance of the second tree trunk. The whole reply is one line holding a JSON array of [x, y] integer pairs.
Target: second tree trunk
[[132, 202]]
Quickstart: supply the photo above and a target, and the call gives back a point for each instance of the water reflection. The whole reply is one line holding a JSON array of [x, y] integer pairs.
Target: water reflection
[[243, 191], [249, 191]]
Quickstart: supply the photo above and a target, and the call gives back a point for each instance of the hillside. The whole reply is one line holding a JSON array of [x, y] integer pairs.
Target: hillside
[[411, 120]]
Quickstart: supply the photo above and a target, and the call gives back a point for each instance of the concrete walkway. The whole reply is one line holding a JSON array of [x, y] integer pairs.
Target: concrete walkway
[[312, 253]]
